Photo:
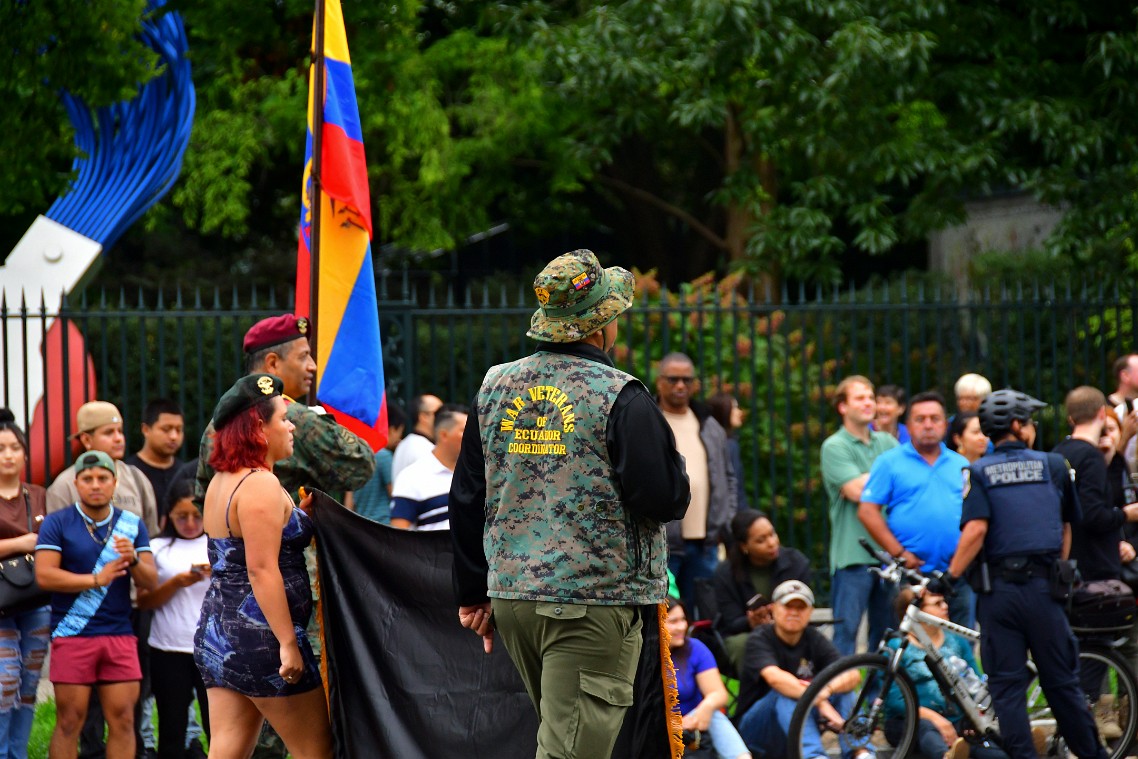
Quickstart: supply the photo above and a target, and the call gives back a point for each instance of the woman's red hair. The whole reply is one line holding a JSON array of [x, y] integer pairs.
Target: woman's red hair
[[241, 443]]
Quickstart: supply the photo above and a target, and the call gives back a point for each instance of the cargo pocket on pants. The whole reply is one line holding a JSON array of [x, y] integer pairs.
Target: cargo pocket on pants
[[602, 700]]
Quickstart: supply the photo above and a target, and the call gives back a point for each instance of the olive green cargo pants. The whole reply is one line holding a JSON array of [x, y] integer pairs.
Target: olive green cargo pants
[[578, 663]]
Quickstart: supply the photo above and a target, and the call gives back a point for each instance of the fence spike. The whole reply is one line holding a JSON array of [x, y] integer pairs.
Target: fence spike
[[431, 301], [406, 284], [122, 298], [161, 302], [197, 298], [253, 295], [273, 298], [502, 296]]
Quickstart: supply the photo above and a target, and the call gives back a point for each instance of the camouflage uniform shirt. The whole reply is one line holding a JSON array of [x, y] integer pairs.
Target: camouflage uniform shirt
[[565, 479]]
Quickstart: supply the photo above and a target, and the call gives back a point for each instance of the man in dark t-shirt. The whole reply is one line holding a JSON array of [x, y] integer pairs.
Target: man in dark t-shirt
[[779, 662], [163, 431]]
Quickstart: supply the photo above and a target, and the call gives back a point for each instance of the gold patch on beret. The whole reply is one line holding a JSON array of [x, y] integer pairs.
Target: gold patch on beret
[[265, 383]]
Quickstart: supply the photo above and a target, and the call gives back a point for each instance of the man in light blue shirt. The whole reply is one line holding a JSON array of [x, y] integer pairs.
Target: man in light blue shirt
[[912, 501]]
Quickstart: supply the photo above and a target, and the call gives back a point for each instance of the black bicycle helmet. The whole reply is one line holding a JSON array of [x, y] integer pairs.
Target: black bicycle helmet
[[1001, 407]]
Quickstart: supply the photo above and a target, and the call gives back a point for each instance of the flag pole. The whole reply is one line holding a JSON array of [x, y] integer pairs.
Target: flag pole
[[317, 86]]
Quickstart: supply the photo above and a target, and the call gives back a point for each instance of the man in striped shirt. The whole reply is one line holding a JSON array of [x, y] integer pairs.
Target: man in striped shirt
[[420, 493]]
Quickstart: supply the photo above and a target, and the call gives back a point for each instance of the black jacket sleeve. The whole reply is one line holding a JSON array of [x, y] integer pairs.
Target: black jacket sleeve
[[653, 483], [792, 565], [467, 507], [731, 598]]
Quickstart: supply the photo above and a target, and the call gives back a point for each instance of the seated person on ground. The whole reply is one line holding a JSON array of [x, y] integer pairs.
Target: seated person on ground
[[779, 662], [702, 692], [940, 726], [756, 565]]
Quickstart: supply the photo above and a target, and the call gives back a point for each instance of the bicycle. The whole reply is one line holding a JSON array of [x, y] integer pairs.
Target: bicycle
[[882, 677]]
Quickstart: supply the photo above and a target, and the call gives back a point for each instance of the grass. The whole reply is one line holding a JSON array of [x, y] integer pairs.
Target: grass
[[42, 727]]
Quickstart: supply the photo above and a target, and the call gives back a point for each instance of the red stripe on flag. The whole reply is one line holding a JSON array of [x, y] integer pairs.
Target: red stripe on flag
[[375, 435], [345, 172]]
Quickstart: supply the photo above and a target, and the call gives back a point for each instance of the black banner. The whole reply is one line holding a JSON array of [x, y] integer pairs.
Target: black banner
[[407, 681]]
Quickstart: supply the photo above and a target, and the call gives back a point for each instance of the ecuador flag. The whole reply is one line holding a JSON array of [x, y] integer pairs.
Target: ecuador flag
[[349, 354]]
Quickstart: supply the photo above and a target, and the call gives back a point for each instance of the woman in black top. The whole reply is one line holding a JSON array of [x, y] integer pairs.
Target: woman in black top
[[756, 564]]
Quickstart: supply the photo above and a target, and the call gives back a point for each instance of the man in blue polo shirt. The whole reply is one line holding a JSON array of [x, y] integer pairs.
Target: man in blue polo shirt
[[911, 504], [86, 557]]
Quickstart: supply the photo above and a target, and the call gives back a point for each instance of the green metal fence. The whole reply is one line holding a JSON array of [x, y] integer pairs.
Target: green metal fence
[[780, 353]]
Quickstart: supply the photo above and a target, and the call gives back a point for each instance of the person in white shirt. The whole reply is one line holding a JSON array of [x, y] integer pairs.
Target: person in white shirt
[[421, 439], [181, 555], [421, 492]]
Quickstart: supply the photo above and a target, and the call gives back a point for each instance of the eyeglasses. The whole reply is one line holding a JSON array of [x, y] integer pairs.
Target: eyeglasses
[[677, 380], [188, 517]]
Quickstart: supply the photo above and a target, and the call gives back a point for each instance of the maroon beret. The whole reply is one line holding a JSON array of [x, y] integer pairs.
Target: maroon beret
[[274, 331]]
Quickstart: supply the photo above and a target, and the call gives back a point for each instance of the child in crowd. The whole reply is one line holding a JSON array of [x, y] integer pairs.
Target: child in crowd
[[183, 563]]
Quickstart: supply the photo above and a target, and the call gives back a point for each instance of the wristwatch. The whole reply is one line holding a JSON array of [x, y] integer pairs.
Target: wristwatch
[[134, 561]]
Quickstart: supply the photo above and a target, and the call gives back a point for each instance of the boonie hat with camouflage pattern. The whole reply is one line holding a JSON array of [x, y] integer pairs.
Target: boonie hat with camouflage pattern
[[578, 296]]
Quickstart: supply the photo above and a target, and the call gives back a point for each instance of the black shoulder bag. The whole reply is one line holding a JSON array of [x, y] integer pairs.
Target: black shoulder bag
[[18, 589]]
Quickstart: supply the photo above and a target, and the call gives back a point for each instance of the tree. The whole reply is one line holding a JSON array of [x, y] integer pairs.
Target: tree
[[91, 50], [788, 139]]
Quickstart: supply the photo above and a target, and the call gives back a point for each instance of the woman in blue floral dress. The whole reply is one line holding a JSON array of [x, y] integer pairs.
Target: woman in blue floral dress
[[250, 645]]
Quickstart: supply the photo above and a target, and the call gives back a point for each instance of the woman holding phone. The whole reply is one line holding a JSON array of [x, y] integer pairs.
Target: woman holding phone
[[181, 556], [757, 563]]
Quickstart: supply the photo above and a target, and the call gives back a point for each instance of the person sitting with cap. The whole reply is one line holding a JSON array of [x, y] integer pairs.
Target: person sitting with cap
[[86, 557], [100, 428], [779, 662]]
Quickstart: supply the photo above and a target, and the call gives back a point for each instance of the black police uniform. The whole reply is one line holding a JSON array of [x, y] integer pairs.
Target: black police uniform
[[1026, 496]]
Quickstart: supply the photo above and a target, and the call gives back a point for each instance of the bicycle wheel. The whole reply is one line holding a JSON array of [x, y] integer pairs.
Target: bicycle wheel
[[863, 709], [1111, 691]]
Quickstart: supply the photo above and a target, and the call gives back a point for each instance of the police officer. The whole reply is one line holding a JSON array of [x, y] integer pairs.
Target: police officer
[[1018, 506]]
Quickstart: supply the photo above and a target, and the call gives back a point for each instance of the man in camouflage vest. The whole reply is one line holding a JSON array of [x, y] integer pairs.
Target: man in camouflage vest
[[566, 477]]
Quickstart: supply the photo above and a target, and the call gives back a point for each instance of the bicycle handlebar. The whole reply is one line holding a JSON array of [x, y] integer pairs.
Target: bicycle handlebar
[[894, 570]]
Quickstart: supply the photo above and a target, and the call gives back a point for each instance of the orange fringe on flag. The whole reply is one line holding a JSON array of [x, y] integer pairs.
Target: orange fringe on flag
[[320, 629], [671, 688]]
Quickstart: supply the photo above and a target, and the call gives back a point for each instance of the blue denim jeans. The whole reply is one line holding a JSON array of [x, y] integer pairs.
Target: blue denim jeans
[[725, 738], [23, 643], [856, 591], [698, 561], [765, 726]]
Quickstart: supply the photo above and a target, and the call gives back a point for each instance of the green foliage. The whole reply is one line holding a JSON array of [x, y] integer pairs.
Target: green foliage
[[89, 49], [780, 138]]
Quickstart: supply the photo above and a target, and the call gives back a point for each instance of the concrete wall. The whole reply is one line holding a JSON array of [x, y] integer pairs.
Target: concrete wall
[[1007, 223]]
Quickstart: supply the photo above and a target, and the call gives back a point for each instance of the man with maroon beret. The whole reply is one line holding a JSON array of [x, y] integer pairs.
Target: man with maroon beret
[[325, 455]]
